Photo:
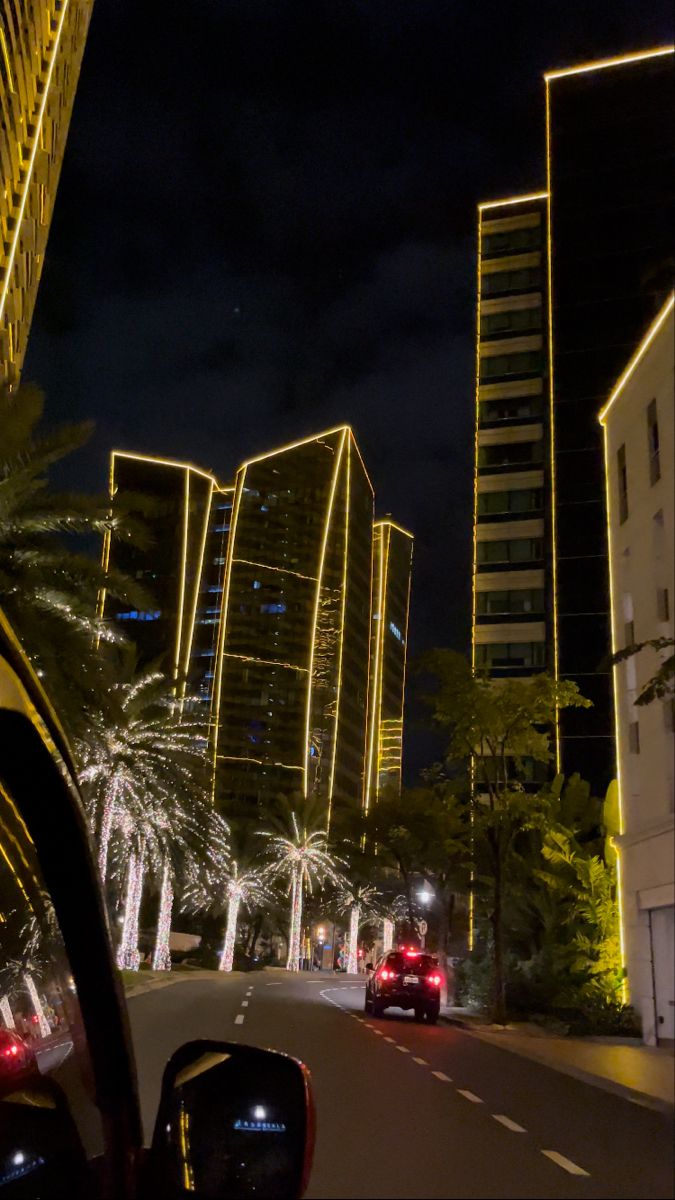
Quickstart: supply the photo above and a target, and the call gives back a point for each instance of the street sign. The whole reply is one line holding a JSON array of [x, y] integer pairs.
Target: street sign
[[422, 926]]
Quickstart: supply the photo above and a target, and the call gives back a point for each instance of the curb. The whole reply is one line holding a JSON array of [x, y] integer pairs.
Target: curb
[[644, 1099], [156, 985]]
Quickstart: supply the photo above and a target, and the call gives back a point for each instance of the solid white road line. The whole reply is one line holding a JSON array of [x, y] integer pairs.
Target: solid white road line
[[441, 1075], [565, 1163], [403, 1049], [422, 1062], [470, 1096], [508, 1123], [239, 1020]]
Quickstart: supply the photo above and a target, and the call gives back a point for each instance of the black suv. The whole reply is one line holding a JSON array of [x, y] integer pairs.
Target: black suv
[[405, 979]]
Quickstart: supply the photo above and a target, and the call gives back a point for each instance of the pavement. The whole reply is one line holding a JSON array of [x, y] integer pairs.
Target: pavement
[[643, 1074], [408, 1110]]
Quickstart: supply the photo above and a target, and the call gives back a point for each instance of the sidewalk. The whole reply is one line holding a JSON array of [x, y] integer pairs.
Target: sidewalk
[[150, 981], [643, 1074]]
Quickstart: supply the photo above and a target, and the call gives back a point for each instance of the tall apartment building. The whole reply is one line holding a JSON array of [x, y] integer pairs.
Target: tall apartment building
[[608, 207], [41, 47], [263, 600], [639, 426], [181, 567], [291, 693], [392, 574], [512, 595]]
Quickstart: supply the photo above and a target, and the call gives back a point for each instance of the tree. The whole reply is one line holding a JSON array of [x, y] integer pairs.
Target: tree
[[48, 587], [297, 846], [661, 686], [501, 727]]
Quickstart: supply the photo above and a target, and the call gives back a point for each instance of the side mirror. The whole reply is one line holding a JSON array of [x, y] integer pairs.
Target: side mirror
[[234, 1122], [369, 967], [40, 1151]]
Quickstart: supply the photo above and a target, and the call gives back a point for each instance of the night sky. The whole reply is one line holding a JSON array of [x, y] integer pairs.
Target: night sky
[[266, 226]]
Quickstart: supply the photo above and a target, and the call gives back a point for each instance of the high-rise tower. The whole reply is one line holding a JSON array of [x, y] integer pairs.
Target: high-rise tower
[[392, 567], [41, 46]]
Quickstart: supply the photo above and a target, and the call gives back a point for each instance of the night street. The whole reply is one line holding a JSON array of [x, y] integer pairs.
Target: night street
[[405, 1110]]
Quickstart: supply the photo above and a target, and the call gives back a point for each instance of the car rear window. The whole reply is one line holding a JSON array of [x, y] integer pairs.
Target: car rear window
[[418, 964]]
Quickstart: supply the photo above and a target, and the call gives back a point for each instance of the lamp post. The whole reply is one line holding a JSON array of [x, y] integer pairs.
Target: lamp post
[[425, 896]]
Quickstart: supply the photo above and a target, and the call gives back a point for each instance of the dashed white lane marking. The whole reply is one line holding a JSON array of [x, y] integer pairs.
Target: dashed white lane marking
[[422, 1062], [244, 1004], [470, 1096], [392, 1040], [508, 1123], [249, 992], [239, 1019], [565, 1163], [378, 1032], [403, 1049], [442, 1076], [279, 984]]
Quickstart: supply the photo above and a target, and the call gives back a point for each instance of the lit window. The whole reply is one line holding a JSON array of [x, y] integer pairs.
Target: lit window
[[396, 631]]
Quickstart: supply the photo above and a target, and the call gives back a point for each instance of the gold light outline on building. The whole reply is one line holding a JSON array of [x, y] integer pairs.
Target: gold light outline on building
[[363, 465], [263, 762], [637, 356], [172, 462], [382, 736], [183, 574], [197, 584], [345, 562], [551, 432], [508, 200], [405, 643], [617, 740], [394, 525], [31, 161], [222, 630], [282, 570], [8, 64], [602, 63], [476, 436], [269, 662], [107, 542], [317, 601], [315, 437], [377, 673]]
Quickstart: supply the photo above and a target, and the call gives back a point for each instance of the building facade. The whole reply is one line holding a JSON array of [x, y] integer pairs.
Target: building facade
[[41, 47], [392, 574], [295, 627], [640, 470], [181, 567], [512, 578], [602, 265]]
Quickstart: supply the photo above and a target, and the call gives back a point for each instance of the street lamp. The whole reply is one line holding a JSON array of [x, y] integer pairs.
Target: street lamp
[[425, 896]]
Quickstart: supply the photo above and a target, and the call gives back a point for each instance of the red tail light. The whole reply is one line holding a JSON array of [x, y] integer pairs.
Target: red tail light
[[435, 980]]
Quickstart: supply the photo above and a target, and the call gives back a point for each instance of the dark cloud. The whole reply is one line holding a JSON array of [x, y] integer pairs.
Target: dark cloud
[[265, 225]]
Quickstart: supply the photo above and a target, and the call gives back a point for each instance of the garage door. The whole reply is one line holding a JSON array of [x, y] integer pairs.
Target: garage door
[[663, 950]]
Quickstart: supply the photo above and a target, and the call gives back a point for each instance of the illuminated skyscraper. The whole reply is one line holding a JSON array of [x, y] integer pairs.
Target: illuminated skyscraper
[[392, 566], [41, 46], [291, 693], [512, 608], [182, 566], [608, 212]]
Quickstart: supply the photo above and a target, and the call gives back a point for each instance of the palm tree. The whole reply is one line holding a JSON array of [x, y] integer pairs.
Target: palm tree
[[300, 853], [143, 774], [359, 900], [48, 586]]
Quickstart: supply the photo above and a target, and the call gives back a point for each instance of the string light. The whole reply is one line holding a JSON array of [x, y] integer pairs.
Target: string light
[[161, 957], [305, 860], [247, 888], [43, 1023], [352, 948], [387, 935], [128, 956]]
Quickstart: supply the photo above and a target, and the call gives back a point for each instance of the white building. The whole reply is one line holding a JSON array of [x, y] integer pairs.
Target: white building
[[638, 423]]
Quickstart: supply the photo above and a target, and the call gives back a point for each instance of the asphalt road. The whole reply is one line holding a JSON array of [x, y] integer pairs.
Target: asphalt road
[[407, 1110]]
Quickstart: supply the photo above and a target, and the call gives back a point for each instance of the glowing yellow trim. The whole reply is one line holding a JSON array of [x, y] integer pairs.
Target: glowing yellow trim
[[474, 571], [345, 562], [183, 573], [393, 525], [617, 716], [197, 582], [625, 984], [511, 200], [551, 433], [31, 161], [603, 63], [107, 542], [281, 570], [316, 437], [638, 355], [222, 631], [169, 462], [377, 672], [405, 651], [363, 465], [269, 662], [5, 55], [262, 762], [317, 600]]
